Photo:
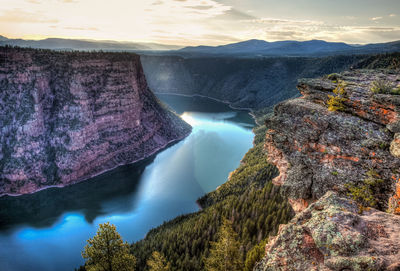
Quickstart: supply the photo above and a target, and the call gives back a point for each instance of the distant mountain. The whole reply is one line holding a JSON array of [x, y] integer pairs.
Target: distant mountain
[[311, 47], [73, 44]]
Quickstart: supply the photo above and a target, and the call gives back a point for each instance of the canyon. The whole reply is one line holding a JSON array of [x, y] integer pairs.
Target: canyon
[[252, 83], [68, 116]]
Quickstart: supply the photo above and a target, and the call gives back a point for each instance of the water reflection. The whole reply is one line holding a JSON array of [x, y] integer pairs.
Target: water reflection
[[42, 209], [48, 229]]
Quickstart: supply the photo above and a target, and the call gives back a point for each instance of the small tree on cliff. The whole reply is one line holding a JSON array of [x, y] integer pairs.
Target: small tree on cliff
[[225, 254], [157, 262], [336, 102], [107, 252]]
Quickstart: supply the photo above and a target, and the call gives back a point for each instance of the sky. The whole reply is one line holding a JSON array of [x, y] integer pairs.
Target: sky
[[203, 22]]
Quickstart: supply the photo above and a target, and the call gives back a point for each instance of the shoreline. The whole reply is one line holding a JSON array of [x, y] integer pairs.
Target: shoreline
[[249, 110], [156, 151]]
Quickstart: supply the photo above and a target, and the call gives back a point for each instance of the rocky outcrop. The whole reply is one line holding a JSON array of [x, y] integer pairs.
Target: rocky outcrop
[[327, 157], [331, 234], [68, 116], [317, 150]]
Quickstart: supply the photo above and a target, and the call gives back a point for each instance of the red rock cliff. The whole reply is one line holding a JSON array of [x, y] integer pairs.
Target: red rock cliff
[[317, 150], [68, 116], [332, 166]]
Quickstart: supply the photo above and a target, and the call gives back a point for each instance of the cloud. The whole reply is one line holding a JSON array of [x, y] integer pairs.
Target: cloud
[[20, 16], [82, 28], [236, 15], [392, 15], [275, 21], [376, 18]]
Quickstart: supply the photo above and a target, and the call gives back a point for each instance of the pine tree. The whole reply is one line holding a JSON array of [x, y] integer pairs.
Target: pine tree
[[107, 252], [225, 254], [255, 255], [157, 262]]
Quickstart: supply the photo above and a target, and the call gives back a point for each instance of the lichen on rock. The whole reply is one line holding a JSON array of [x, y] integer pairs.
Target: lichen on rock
[[329, 150], [326, 159], [331, 234]]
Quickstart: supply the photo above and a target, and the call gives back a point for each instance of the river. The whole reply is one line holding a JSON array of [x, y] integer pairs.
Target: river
[[48, 230]]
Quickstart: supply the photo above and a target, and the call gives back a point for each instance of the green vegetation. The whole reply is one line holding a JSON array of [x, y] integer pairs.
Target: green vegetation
[[366, 194], [255, 255], [157, 262], [381, 87], [395, 91], [106, 251], [390, 61], [336, 102], [248, 199], [334, 77], [225, 253]]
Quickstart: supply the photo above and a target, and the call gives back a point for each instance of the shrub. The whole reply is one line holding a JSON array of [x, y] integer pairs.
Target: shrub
[[381, 87], [336, 102], [333, 76], [335, 173], [365, 194], [395, 91]]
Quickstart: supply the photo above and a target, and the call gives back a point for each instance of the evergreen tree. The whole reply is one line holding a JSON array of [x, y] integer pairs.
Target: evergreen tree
[[157, 262], [225, 254], [255, 255], [107, 252]]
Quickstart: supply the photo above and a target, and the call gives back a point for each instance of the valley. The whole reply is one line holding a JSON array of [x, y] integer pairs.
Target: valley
[[134, 197]]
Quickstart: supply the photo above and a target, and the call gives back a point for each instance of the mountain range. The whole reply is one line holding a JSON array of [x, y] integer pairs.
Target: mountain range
[[84, 45], [249, 48], [294, 48]]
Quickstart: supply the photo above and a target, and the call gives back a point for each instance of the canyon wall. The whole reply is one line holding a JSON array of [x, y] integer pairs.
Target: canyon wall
[[68, 116], [334, 166], [252, 83]]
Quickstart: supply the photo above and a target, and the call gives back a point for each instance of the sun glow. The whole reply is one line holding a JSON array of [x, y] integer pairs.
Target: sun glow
[[192, 22]]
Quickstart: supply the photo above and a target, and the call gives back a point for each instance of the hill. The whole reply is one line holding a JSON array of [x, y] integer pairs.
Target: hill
[[85, 45], [290, 48]]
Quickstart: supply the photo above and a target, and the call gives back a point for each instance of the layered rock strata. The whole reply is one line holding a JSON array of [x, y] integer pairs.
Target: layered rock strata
[[317, 150], [68, 116], [328, 158]]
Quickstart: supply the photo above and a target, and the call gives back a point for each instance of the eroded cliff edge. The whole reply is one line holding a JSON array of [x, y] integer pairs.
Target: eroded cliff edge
[[68, 116], [329, 159]]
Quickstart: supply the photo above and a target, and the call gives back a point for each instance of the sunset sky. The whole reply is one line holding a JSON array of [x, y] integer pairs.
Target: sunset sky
[[211, 22]]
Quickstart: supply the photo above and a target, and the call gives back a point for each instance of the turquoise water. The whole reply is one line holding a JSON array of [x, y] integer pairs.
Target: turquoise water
[[47, 230]]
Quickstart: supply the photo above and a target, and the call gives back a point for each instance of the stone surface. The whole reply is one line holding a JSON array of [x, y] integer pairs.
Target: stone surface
[[317, 150], [320, 154], [331, 234], [68, 116], [395, 146]]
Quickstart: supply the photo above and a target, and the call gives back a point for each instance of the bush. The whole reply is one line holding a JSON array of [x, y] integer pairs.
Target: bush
[[395, 91], [336, 102], [366, 193], [333, 76], [381, 87]]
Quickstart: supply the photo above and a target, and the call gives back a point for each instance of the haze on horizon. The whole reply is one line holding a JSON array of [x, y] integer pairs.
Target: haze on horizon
[[207, 22]]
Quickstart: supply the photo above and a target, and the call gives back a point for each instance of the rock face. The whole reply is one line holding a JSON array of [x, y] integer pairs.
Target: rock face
[[331, 234], [317, 150], [325, 158], [68, 116]]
